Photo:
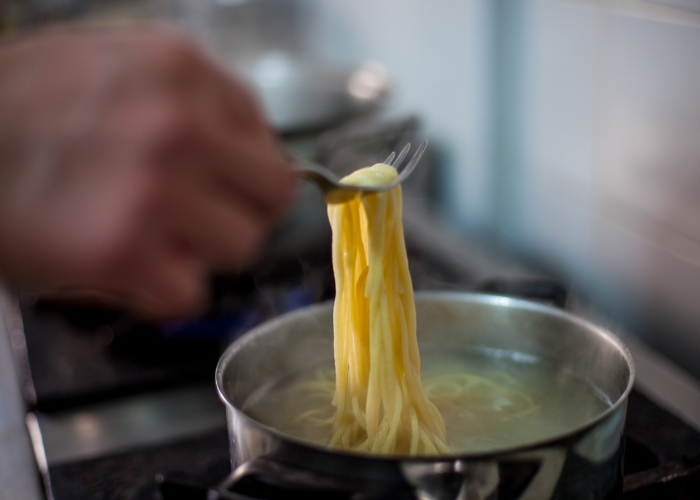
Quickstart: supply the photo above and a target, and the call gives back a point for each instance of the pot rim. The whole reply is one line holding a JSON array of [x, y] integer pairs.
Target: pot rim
[[473, 297]]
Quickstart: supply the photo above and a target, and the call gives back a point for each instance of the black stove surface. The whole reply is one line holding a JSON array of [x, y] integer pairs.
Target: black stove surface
[[662, 461], [188, 466]]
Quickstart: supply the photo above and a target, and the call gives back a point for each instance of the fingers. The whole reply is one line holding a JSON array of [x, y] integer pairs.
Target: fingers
[[240, 147], [160, 278], [250, 171], [217, 219], [214, 129], [160, 111], [224, 232], [170, 283], [224, 180]]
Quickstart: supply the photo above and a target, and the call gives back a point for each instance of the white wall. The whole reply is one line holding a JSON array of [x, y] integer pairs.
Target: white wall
[[439, 54], [611, 158]]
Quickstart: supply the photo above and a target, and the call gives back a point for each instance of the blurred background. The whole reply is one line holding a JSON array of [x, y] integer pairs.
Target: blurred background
[[564, 142], [565, 132]]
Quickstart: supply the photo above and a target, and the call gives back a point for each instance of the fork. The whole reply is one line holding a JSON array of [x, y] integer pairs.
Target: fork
[[336, 192]]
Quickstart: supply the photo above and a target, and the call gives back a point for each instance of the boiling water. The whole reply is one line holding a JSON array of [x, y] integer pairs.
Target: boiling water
[[489, 399]]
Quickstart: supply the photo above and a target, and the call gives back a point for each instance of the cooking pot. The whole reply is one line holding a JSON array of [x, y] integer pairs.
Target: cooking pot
[[585, 462]]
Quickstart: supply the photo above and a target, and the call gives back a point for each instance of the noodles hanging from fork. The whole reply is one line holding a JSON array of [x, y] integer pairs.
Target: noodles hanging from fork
[[381, 406]]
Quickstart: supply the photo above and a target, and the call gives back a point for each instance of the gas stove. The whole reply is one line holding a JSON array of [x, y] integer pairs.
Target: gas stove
[[662, 461], [121, 409]]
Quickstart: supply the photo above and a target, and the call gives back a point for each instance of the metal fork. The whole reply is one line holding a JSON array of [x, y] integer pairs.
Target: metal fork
[[337, 192]]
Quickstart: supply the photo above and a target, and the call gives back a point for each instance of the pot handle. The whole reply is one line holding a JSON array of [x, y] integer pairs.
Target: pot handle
[[540, 289], [266, 478]]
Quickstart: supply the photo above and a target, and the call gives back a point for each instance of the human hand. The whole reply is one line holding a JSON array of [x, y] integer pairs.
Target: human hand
[[130, 165]]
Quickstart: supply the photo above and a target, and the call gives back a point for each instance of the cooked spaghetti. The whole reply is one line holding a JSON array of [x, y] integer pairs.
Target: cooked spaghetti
[[373, 400], [381, 406]]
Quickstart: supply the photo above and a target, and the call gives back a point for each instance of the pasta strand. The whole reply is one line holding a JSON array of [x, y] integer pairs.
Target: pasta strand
[[380, 402]]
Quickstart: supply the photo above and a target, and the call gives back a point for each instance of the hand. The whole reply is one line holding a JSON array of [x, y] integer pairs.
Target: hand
[[130, 165]]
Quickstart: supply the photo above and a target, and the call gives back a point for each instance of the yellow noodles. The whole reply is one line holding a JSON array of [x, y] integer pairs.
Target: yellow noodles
[[380, 403]]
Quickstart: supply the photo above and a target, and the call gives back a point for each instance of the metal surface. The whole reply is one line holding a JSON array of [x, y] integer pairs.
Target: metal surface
[[18, 478], [657, 377], [337, 192], [105, 428], [583, 463]]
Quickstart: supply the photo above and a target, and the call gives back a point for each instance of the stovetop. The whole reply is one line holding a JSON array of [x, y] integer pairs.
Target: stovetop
[[662, 461], [662, 455], [662, 458], [122, 409]]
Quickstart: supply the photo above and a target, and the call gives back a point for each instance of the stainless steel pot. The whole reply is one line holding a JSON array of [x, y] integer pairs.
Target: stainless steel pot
[[583, 463]]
